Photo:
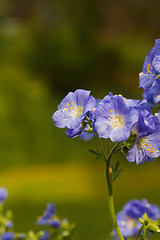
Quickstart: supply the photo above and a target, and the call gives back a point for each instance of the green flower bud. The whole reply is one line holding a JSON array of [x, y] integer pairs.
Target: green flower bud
[[153, 227]]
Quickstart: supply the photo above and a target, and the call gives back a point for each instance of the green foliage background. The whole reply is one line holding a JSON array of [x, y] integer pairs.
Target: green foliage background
[[48, 48]]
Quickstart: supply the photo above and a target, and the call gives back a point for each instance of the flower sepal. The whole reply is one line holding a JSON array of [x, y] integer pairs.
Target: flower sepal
[[148, 226], [98, 155], [67, 229], [128, 144]]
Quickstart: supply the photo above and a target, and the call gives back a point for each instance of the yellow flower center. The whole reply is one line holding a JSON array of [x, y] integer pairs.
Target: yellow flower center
[[142, 144], [131, 223], [117, 121], [75, 111]]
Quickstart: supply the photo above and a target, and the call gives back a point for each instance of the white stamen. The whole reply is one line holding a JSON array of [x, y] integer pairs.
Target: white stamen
[[117, 122], [77, 111]]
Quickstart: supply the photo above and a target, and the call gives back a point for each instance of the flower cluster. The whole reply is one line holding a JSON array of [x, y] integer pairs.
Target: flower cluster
[[131, 124], [58, 229], [150, 75], [128, 218], [6, 223], [114, 117]]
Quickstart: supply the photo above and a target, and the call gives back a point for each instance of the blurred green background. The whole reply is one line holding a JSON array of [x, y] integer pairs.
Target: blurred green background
[[48, 48]]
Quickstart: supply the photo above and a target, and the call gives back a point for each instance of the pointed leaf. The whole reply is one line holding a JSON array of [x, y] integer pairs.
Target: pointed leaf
[[117, 165], [97, 154], [116, 174]]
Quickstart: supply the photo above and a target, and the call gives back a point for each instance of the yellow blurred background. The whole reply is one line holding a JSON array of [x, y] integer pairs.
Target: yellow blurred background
[[48, 48]]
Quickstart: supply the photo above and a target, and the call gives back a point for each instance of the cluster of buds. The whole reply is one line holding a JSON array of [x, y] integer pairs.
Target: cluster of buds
[[56, 229]]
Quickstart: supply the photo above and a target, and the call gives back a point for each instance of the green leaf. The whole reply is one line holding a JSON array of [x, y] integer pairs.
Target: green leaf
[[141, 220], [117, 165], [116, 171], [97, 154], [116, 174]]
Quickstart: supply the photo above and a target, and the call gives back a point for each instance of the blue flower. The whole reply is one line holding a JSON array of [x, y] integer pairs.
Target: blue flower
[[114, 119], [3, 194], [49, 218], [20, 236], [156, 59], [45, 236], [85, 129], [152, 95], [151, 67], [73, 109], [127, 219], [145, 148], [108, 98], [148, 74], [147, 144], [7, 236], [9, 224]]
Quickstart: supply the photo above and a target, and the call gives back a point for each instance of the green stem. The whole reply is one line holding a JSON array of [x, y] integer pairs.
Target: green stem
[[109, 185], [139, 233], [110, 193], [107, 146]]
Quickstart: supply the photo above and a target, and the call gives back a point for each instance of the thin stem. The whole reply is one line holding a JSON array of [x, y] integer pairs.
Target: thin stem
[[139, 233], [110, 194], [107, 146], [109, 185]]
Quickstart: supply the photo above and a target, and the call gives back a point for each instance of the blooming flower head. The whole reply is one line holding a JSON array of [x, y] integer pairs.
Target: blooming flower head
[[147, 76], [114, 119], [49, 218], [7, 236], [3, 194], [147, 144], [85, 129], [73, 109], [151, 67], [127, 219], [75, 112]]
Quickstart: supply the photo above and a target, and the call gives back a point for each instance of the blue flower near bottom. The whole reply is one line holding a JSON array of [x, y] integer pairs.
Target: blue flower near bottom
[[7, 236], [49, 218], [45, 236], [127, 219]]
